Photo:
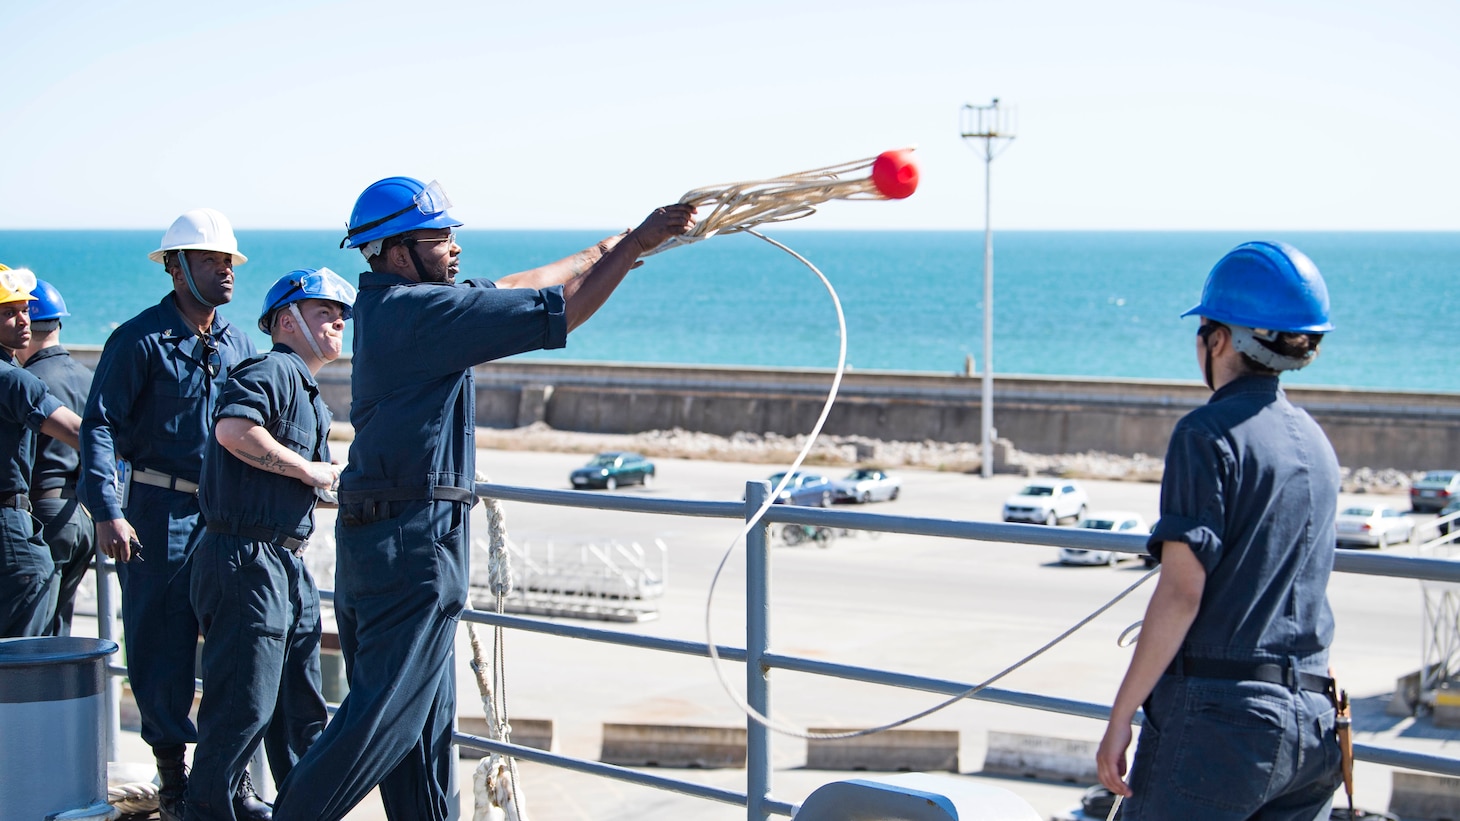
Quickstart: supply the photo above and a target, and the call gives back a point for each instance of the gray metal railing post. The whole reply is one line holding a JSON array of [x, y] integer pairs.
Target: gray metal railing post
[[757, 644], [106, 628]]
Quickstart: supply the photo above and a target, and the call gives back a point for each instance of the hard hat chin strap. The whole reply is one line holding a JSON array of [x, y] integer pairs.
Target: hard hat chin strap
[[304, 329], [416, 259], [182, 261]]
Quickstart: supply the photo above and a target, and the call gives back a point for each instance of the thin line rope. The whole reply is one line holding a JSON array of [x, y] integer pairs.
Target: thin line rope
[[755, 520]]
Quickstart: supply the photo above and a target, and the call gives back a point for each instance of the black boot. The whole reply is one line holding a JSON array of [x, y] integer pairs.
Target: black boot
[[172, 777], [247, 806]]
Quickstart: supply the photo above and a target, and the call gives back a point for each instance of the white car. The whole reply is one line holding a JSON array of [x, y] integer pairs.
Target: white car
[[1046, 501], [867, 485], [1114, 521], [1372, 526]]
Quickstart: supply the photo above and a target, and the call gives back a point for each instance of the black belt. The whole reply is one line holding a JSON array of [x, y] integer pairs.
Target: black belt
[[19, 501], [365, 507], [55, 493], [1270, 672], [259, 533], [443, 493]]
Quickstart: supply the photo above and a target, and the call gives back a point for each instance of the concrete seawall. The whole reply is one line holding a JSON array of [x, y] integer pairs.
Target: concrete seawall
[[1369, 428]]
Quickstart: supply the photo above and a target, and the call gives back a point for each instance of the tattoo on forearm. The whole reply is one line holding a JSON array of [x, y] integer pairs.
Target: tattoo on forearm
[[270, 461]]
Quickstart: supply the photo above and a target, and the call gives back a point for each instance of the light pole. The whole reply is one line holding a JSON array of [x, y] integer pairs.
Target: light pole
[[990, 124]]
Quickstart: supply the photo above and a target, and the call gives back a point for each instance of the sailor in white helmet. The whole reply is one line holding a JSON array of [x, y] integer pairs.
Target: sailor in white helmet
[[151, 404]]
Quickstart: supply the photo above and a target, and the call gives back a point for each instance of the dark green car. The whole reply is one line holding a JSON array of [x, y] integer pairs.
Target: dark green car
[[609, 470]]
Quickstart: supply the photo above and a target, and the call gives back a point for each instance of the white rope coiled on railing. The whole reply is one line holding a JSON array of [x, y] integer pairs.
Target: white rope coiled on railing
[[495, 785]]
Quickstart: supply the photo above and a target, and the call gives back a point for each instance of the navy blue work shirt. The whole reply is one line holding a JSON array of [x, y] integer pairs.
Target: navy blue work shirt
[[25, 404], [277, 392], [152, 400], [57, 463], [1251, 484], [413, 400]]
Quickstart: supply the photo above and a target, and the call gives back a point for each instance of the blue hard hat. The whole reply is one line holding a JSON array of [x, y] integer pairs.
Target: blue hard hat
[[306, 283], [394, 206], [48, 303], [1267, 285]]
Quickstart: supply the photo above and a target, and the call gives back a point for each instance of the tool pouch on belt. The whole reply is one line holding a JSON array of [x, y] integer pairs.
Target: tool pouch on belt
[[1343, 729]]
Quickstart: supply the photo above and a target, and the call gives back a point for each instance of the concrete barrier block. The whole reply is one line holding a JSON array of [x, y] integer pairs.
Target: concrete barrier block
[[1419, 797], [1447, 706], [529, 732], [669, 745], [1406, 695], [1033, 756], [889, 751]]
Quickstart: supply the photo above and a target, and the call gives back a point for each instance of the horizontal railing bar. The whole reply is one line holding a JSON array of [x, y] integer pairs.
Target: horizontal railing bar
[[1444, 570], [1405, 759], [611, 501], [619, 773], [623, 639]]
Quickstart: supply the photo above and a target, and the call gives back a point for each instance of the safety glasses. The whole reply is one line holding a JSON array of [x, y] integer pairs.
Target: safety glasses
[[322, 284], [1206, 329], [212, 360], [432, 200], [450, 239]]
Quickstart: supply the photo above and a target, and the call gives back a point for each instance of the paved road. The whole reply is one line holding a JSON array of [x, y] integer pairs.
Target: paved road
[[921, 605]]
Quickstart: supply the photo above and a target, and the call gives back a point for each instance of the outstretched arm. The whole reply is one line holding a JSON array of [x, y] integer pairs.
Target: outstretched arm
[[590, 276], [556, 273]]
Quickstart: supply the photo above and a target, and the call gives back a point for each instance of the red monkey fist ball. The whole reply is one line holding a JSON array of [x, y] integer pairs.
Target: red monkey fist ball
[[895, 174]]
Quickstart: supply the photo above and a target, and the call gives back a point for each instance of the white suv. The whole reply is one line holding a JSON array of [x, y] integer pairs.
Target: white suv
[[1047, 501]]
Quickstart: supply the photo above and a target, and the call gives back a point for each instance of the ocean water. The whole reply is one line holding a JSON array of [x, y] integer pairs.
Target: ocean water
[[1088, 304]]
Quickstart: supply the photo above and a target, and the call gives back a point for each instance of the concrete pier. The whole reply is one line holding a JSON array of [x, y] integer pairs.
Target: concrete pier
[[1406, 430]]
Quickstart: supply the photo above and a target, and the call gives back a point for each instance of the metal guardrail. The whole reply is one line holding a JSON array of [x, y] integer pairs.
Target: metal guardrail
[[759, 659]]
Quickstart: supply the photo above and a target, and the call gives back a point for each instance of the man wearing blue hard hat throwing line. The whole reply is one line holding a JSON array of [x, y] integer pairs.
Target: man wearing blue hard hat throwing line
[[406, 495], [256, 603], [1232, 662]]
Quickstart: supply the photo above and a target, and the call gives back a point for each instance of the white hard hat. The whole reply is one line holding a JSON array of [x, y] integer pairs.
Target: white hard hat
[[201, 229]]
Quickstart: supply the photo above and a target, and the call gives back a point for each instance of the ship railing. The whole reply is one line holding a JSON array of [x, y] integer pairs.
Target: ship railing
[[760, 659]]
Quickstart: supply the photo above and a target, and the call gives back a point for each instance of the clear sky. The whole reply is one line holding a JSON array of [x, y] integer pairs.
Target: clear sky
[[1219, 114]]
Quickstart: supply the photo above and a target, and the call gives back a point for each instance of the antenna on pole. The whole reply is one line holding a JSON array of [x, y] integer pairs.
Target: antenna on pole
[[994, 127]]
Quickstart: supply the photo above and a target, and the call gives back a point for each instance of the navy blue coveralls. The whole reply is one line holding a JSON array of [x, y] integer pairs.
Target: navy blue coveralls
[[152, 404], [1240, 727], [27, 572], [402, 538], [68, 528], [257, 604]]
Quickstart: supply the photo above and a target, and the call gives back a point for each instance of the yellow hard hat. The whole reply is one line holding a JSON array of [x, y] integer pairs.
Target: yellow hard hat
[[16, 284]]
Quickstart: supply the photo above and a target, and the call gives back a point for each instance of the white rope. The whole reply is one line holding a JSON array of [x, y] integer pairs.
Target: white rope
[[755, 520], [498, 793], [138, 797], [740, 206]]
